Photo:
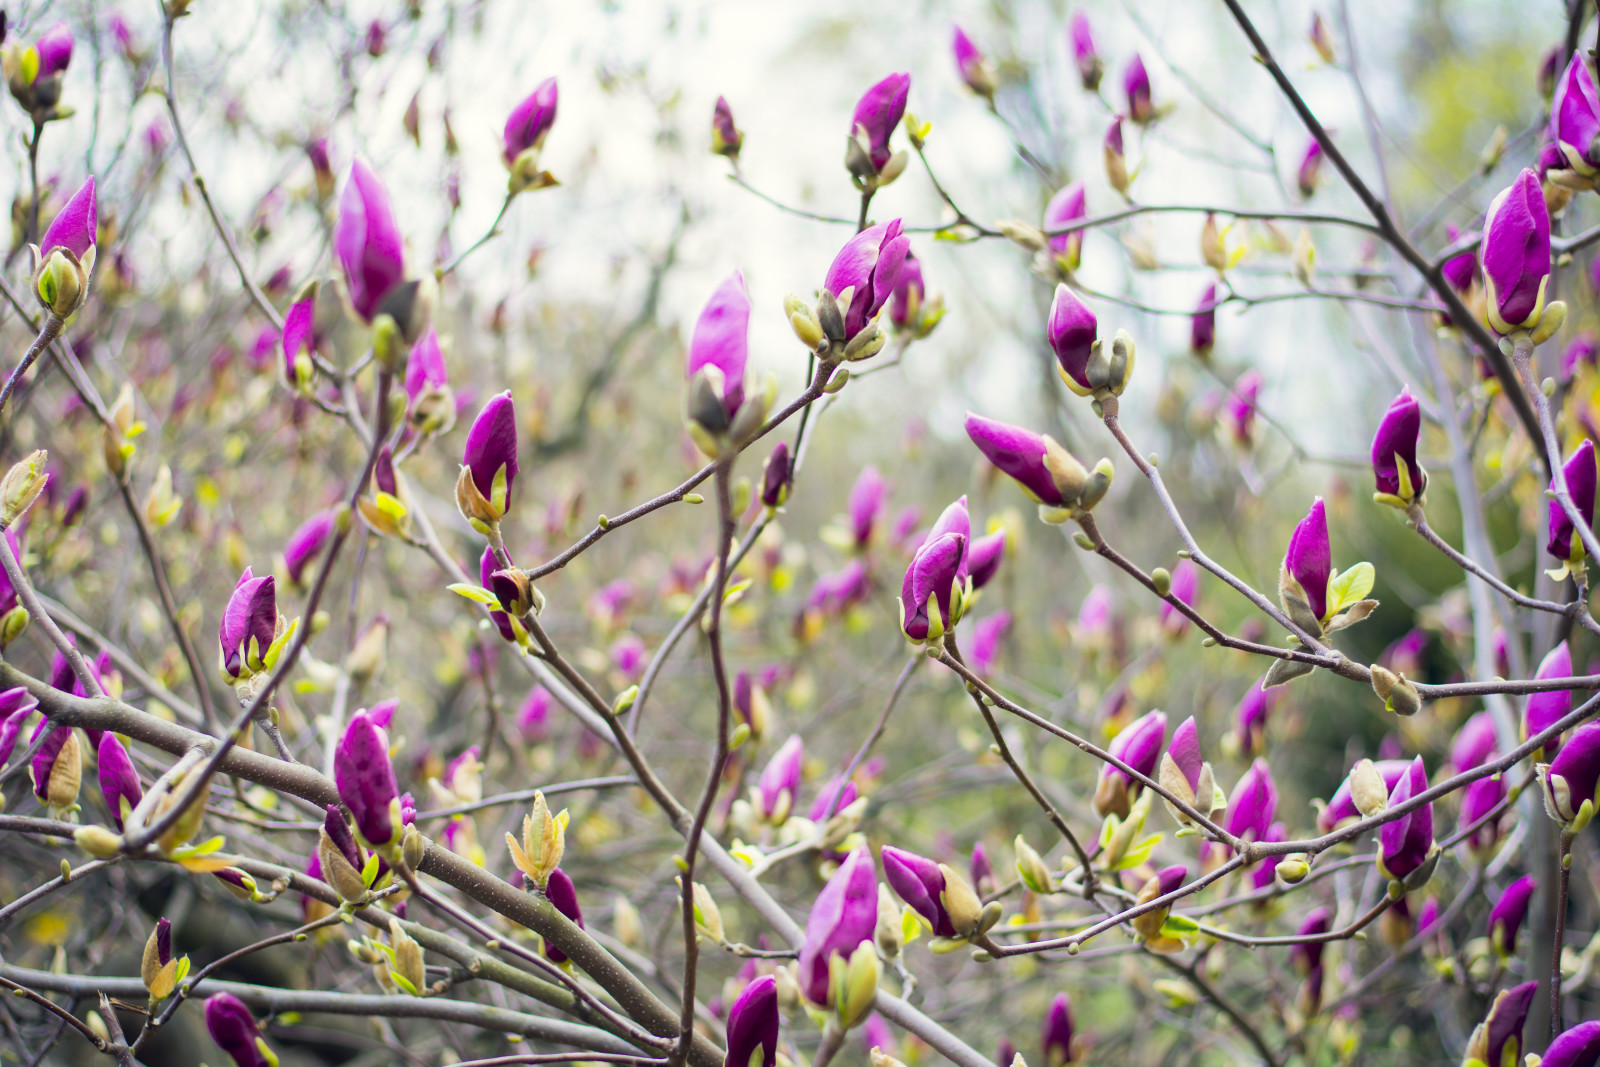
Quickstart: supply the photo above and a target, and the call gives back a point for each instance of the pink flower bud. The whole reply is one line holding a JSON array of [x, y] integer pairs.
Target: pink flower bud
[[529, 122], [1065, 208], [365, 779], [74, 227], [307, 543], [249, 625], [1309, 559], [367, 241], [1505, 918], [1057, 1036], [1090, 71], [1405, 842], [1515, 254], [1395, 444], [233, 1028], [844, 915], [753, 1025], [868, 266], [119, 781], [1564, 542], [877, 114]]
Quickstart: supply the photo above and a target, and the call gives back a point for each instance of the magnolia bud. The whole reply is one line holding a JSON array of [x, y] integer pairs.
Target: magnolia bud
[[408, 969], [413, 846], [21, 487], [960, 901], [1367, 789], [804, 322], [13, 624], [338, 872], [888, 934], [97, 841], [1031, 869]]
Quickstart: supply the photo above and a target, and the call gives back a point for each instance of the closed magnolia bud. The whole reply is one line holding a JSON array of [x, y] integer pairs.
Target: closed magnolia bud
[[13, 624], [408, 969], [1397, 694], [66, 775], [21, 487], [960, 901], [1367, 789], [1031, 869], [707, 916], [413, 846], [807, 327], [857, 992], [97, 841], [888, 934], [338, 871], [157, 968]]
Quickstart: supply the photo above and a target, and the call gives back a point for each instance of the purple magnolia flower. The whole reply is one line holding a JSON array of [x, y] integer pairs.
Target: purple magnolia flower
[[1203, 324], [1394, 450], [986, 637], [1310, 172], [982, 871], [1515, 255], [1309, 560], [1342, 808], [834, 797], [1564, 542], [1090, 70], [954, 519], [753, 1025], [1460, 270], [487, 566], [1404, 843], [1498, 1039], [910, 294], [971, 66], [564, 895], [491, 450], [776, 476], [718, 351], [1057, 1036], [844, 915], [1253, 803], [307, 543], [1242, 406], [1017, 452], [55, 51], [1066, 207], [1072, 329], [299, 338], [1505, 918], [1136, 84], [529, 122], [249, 624], [1251, 720], [877, 114], [920, 883], [233, 1028], [1477, 801], [74, 227], [780, 781], [426, 371], [367, 241], [365, 779], [868, 266], [1575, 118], [984, 556], [1544, 710], [1306, 956], [533, 717], [1573, 776], [1577, 1047], [1265, 873], [15, 707], [1139, 745], [119, 781], [866, 504], [60, 746], [1475, 743], [726, 138], [928, 596], [1582, 351]]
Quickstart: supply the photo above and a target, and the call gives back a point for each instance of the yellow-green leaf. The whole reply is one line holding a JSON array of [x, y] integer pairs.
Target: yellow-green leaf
[[1351, 586], [475, 593]]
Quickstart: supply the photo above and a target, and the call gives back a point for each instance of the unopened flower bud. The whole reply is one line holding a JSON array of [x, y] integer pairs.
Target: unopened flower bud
[[97, 841], [409, 969], [413, 846], [803, 320], [1397, 694], [1368, 789], [1031, 869], [21, 487], [889, 935]]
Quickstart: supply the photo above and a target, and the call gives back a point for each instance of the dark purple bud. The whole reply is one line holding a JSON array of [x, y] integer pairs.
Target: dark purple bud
[[564, 895], [1307, 955], [1265, 873], [1515, 254], [1136, 84], [44, 757], [492, 447], [1251, 720], [249, 624], [1573, 775], [1477, 800], [487, 567], [1072, 329], [910, 293], [1253, 803], [1004, 1053], [866, 504], [1394, 450], [1577, 1047], [339, 833], [919, 883], [1505, 918], [928, 593], [1016, 452], [1203, 324], [1310, 171], [1404, 843], [1460, 270], [365, 779], [1502, 1030], [876, 115], [1544, 710], [726, 138], [119, 781], [779, 784], [1309, 560], [753, 1025], [529, 122], [1057, 1036], [307, 543], [368, 242], [1575, 118], [233, 1028], [1475, 743], [1066, 207], [1564, 542], [842, 917], [776, 477], [15, 707]]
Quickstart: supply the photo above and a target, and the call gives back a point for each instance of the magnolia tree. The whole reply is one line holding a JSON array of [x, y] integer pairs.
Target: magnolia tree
[[605, 808]]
